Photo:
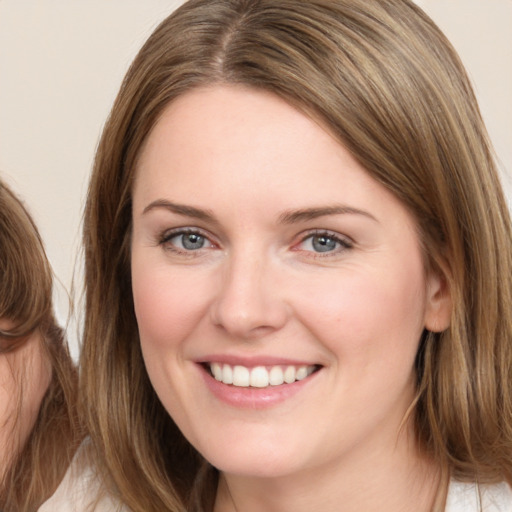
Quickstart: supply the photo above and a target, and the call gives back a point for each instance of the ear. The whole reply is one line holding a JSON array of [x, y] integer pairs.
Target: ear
[[438, 307]]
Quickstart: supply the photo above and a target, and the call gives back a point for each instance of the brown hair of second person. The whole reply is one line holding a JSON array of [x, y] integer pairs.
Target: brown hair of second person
[[43, 450]]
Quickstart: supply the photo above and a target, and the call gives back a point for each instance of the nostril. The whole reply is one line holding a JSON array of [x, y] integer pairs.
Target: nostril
[[249, 319]]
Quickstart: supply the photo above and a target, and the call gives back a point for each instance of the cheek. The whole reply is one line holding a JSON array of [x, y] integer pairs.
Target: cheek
[[25, 375], [167, 304], [366, 315]]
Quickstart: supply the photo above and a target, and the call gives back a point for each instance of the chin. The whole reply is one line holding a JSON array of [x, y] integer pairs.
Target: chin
[[258, 462]]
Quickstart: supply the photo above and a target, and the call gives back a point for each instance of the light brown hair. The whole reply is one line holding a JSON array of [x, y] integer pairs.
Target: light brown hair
[[384, 80], [36, 466]]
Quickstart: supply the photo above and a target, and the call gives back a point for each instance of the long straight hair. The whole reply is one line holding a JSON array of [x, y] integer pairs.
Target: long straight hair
[[38, 464], [382, 78]]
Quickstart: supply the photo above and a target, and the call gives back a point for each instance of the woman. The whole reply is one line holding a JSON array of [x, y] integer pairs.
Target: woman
[[298, 270], [39, 429]]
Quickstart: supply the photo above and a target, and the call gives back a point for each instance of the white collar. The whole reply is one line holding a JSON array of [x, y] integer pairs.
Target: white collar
[[470, 497]]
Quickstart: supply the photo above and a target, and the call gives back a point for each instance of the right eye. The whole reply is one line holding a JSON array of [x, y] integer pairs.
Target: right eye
[[185, 241]]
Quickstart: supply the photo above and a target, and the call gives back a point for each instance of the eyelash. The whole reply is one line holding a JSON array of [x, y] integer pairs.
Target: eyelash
[[167, 236], [342, 243]]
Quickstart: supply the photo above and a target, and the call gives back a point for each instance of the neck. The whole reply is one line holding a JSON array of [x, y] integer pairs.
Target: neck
[[393, 480]]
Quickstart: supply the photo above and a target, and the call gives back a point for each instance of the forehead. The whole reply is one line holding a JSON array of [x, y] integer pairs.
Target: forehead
[[211, 117], [234, 132]]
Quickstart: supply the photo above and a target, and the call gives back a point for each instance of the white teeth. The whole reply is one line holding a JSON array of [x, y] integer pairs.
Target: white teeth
[[259, 376], [227, 374], [217, 371], [289, 374], [241, 376], [276, 377], [301, 373]]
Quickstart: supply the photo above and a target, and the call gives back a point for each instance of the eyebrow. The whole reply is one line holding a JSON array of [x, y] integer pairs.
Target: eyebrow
[[181, 209], [295, 216], [287, 217]]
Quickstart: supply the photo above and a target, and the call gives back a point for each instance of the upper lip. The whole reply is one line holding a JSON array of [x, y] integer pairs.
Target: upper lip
[[253, 361]]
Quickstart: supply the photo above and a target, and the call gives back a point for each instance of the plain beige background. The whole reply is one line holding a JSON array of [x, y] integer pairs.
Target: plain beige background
[[62, 61]]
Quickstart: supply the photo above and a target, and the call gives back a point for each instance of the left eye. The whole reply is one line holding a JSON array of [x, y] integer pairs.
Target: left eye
[[188, 241], [323, 242]]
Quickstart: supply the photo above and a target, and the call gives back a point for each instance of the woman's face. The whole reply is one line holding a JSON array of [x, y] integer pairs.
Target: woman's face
[[280, 291]]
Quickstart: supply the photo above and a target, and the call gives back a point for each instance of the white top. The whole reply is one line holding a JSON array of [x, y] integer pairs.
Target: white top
[[79, 489], [468, 497]]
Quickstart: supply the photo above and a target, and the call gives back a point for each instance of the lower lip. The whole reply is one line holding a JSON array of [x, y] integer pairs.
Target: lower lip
[[254, 398]]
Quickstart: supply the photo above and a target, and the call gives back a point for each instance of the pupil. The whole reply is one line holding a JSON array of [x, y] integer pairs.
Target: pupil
[[323, 244], [193, 241]]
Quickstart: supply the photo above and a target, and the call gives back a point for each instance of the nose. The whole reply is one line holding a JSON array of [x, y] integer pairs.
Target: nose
[[249, 303]]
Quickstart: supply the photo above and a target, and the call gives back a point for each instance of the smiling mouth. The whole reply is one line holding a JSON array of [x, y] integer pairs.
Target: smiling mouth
[[259, 376]]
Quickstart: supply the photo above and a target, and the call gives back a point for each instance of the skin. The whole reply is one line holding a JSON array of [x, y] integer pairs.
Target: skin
[[258, 289], [24, 378]]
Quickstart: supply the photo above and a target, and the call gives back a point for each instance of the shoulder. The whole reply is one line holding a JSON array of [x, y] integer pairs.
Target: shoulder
[[81, 490], [470, 497]]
